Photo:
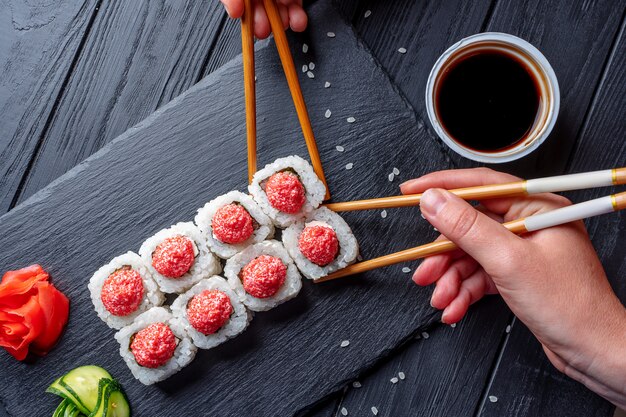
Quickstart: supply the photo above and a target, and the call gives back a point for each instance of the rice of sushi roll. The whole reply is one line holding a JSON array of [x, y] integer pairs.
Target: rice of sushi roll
[[211, 312], [321, 243], [263, 275], [232, 222], [155, 346], [179, 257], [287, 190], [123, 289]]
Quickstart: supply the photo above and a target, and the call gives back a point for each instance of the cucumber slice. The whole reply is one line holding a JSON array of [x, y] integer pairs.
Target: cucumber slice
[[71, 411], [60, 411], [83, 384], [111, 400], [57, 389]]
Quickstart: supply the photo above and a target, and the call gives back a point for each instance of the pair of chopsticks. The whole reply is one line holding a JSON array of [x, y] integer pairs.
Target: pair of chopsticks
[[247, 44], [596, 207]]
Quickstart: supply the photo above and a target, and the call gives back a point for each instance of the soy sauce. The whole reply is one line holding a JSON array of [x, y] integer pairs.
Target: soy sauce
[[488, 101]]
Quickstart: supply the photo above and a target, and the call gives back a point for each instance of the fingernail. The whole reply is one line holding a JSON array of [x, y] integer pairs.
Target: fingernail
[[406, 183], [443, 318], [432, 202]]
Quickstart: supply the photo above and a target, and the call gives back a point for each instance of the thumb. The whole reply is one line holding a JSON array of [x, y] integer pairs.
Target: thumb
[[480, 237]]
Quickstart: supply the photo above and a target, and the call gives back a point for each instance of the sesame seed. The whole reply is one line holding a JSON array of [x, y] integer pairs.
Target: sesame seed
[[326, 84], [344, 411], [349, 165], [396, 171], [328, 113], [350, 119], [345, 343], [402, 50], [305, 68], [383, 214], [305, 48], [435, 229], [425, 335], [375, 411], [255, 78], [453, 325], [311, 66], [340, 148], [356, 384], [330, 34], [422, 214], [508, 328], [493, 398], [406, 269], [394, 380], [367, 14], [401, 375], [390, 177], [310, 74]]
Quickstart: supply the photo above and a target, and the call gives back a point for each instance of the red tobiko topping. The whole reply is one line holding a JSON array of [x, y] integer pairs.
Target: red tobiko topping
[[33, 312], [319, 244], [263, 276], [232, 224], [122, 292], [174, 256], [285, 192], [154, 345], [208, 311]]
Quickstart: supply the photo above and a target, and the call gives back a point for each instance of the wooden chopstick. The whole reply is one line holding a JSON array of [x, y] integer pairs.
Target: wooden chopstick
[[247, 51], [556, 217], [294, 87], [616, 176]]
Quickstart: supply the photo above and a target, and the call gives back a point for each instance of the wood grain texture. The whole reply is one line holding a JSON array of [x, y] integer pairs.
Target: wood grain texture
[[188, 152], [601, 144], [139, 55], [39, 41]]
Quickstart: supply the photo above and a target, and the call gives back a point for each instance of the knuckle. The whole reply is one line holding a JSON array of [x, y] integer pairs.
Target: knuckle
[[464, 222]]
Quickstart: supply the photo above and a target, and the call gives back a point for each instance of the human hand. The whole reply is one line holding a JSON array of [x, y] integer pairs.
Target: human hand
[[291, 12], [551, 279]]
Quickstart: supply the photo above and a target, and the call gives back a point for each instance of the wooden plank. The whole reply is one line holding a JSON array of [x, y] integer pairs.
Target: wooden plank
[[40, 40], [541, 390], [139, 55], [186, 153]]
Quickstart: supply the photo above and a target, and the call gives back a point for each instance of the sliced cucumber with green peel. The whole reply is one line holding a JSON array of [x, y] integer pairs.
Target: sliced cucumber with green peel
[[71, 411], [57, 389], [83, 385], [60, 411], [111, 400]]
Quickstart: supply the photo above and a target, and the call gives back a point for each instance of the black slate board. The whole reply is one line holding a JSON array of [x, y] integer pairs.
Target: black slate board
[[192, 150]]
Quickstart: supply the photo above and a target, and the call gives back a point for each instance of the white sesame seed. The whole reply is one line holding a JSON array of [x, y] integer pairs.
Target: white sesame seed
[[406, 269], [425, 335], [508, 328], [349, 165], [394, 380], [255, 78], [493, 398], [383, 214], [422, 214], [453, 325], [328, 113], [344, 411], [340, 148], [356, 384], [401, 375], [305, 48], [402, 50], [311, 66], [330, 34], [350, 119], [326, 84], [396, 171], [310, 74], [375, 411], [435, 229], [367, 14], [390, 177], [305, 68], [345, 343]]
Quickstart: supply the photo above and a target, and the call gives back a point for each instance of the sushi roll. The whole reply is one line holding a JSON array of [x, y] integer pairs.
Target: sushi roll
[[232, 222], [123, 289], [211, 312], [287, 190], [179, 257], [263, 275], [321, 243], [155, 346]]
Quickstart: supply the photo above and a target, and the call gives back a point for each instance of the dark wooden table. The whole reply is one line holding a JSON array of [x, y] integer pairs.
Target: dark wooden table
[[74, 75]]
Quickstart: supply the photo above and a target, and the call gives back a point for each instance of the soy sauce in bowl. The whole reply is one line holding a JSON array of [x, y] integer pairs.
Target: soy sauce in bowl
[[488, 101]]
